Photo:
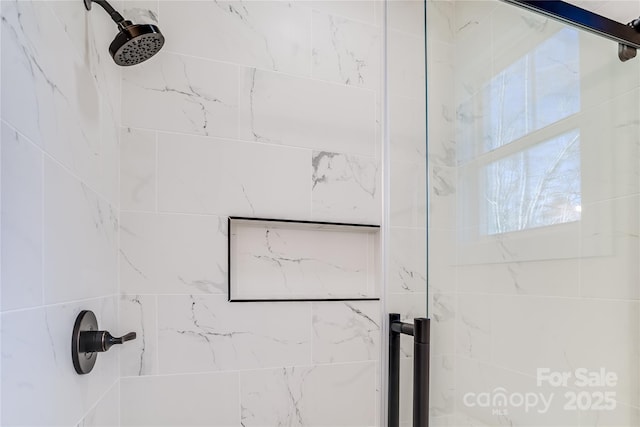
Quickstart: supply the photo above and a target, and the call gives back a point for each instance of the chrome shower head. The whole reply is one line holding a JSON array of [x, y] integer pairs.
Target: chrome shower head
[[134, 43]]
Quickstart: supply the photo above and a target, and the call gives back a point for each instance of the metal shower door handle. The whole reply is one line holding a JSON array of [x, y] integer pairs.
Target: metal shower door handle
[[420, 330]]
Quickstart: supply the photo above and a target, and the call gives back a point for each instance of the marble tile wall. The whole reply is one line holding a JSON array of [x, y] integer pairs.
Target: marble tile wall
[[60, 210], [515, 302], [261, 109]]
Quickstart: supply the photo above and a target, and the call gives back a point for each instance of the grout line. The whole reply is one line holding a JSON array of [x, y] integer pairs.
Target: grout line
[[157, 172], [58, 163], [256, 369], [235, 140]]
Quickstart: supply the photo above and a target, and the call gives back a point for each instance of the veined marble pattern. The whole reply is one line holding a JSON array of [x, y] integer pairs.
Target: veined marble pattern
[[173, 253], [407, 260], [211, 176], [281, 109], [346, 331], [324, 395], [138, 314], [138, 177], [207, 333], [346, 51], [275, 261], [80, 239], [345, 188], [21, 221], [58, 108], [271, 35], [182, 94]]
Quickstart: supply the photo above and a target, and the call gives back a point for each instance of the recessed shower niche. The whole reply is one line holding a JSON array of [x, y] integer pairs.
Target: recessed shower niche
[[284, 260]]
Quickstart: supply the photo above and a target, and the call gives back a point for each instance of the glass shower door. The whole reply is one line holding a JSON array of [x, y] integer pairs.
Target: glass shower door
[[533, 219]]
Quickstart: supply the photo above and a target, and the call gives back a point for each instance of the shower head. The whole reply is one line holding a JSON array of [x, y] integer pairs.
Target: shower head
[[134, 43]]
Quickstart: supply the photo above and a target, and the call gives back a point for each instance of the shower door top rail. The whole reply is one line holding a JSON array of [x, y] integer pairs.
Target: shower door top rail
[[627, 35]]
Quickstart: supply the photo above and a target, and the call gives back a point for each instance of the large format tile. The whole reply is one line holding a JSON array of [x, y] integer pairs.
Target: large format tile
[[173, 253], [346, 331], [80, 239], [138, 177], [287, 110], [346, 51], [265, 34], [21, 221], [346, 188], [180, 400], [224, 177], [325, 395], [37, 371], [56, 104], [138, 314], [181, 94], [207, 333]]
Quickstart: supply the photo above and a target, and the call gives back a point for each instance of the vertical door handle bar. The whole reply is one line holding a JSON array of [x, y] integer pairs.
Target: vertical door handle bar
[[420, 330]]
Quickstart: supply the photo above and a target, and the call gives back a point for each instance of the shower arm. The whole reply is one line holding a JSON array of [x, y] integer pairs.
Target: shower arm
[[114, 14]]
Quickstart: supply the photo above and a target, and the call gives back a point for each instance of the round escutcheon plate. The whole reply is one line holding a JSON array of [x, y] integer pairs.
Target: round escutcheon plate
[[83, 362]]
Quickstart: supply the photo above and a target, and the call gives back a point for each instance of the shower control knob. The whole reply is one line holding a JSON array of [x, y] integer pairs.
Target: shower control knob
[[87, 341], [99, 341]]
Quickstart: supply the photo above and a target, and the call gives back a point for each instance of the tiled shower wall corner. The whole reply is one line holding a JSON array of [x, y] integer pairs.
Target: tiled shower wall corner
[[60, 115], [259, 109]]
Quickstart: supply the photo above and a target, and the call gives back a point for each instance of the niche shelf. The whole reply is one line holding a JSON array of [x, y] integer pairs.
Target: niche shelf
[[286, 260]]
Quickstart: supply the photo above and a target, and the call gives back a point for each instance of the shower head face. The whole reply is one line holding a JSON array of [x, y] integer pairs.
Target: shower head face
[[136, 43]]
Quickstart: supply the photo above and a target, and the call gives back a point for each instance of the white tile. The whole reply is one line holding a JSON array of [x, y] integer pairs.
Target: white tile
[[442, 382], [270, 35], [473, 327], [408, 16], [180, 400], [442, 197], [274, 260], [106, 413], [562, 339], [545, 277], [21, 221], [224, 177], [346, 51], [207, 333], [286, 110], [138, 170], [407, 260], [407, 130], [473, 378], [346, 331], [408, 195], [442, 312], [613, 169], [56, 104], [442, 267], [169, 253], [406, 57], [440, 20], [610, 249], [142, 12], [80, 239], [138, 314], [346, 188], [182, 94], [364, 11], [325, 395], [37, 370]]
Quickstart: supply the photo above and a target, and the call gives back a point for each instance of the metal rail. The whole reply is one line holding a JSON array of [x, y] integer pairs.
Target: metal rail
[[420, 330], [626, 35]]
